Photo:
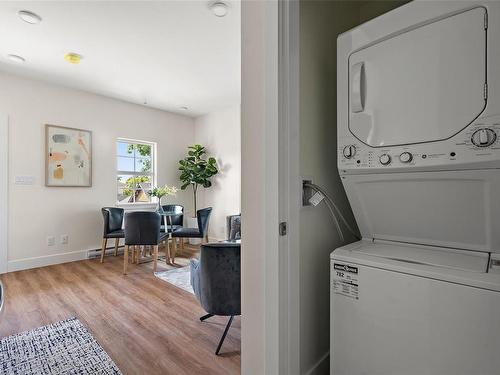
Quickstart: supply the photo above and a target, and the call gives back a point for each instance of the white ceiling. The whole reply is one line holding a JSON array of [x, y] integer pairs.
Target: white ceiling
[[167, 53]]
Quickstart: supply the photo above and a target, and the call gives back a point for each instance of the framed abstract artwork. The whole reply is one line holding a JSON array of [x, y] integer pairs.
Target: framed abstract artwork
[[68, 157]]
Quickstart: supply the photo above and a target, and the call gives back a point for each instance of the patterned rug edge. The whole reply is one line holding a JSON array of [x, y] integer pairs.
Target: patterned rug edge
[[8, 343]]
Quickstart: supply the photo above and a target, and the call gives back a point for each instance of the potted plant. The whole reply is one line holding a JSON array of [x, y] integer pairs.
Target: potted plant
[[160, 192], [196, 170]]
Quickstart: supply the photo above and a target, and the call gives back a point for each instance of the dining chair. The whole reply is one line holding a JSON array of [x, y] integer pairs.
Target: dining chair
[[174, 222], [142, 228], [177, 221], [203, 217], [216, 281], [113, 221]]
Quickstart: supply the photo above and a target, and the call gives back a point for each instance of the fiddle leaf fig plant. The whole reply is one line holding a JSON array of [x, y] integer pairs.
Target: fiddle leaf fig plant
[[197, 170]]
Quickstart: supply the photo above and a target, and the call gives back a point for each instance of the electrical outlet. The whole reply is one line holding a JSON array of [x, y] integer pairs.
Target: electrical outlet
[[51, 240], [24, 180], [64, 239]]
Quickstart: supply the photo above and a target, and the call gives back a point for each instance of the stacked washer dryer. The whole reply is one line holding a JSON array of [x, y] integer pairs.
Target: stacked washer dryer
[[419, 157]]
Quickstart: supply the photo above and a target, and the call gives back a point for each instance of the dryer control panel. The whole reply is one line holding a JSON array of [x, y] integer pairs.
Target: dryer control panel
[[478, 143]]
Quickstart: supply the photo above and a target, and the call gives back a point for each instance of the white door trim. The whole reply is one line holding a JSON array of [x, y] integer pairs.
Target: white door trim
[[4, 191], [260, 258], [289, 185]]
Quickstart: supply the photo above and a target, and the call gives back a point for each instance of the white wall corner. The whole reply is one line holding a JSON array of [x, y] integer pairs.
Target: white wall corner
[[4, 192]]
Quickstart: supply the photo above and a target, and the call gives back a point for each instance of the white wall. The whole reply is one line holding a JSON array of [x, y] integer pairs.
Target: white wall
[[4, 190], [320, 24], [220, 133], [36, 211]]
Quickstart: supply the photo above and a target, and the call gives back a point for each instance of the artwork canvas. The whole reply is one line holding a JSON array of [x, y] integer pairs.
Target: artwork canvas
[[68, 160]]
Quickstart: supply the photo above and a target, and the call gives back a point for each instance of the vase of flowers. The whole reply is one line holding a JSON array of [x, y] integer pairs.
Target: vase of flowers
[[160, 191]]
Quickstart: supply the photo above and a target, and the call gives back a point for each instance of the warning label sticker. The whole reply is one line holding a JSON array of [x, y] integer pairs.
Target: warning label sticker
[[345, 280]]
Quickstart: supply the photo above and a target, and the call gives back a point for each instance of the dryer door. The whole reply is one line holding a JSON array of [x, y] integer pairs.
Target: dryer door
[[424, 84]]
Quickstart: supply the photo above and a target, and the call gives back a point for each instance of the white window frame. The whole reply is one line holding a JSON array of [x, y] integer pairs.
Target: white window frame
[[153, 173]]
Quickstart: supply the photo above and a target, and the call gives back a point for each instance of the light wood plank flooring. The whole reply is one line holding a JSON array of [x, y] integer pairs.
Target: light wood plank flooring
[[147, 326]]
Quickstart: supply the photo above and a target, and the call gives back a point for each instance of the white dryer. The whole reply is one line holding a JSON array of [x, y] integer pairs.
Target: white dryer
[[419, 156]]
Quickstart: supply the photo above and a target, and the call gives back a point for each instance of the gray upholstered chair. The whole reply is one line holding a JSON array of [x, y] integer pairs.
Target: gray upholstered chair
[[234, 227], [113, 221], [143, 228], [216, 281]]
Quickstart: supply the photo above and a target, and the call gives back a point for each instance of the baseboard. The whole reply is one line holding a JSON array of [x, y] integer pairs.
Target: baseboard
[[322, 367], [46, 260]]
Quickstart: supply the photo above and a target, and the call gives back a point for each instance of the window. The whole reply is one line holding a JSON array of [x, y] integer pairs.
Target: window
[[135, 161]]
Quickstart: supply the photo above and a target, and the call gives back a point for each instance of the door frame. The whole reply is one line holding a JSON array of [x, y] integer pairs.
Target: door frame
[[270, 188], [290, 185], [4, 192], [260, 298]]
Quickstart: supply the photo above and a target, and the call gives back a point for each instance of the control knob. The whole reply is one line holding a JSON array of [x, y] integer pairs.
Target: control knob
[[484, 137], [406, 157], [349, 151], [385, 159]]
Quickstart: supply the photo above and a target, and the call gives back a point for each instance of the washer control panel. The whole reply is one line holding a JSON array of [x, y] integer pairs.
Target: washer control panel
[[479, 142]]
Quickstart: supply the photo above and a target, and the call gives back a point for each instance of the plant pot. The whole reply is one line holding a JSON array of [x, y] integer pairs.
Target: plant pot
[[192, 222]]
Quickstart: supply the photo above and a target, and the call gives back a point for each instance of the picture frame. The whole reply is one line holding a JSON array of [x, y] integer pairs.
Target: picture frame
[[68, 156]]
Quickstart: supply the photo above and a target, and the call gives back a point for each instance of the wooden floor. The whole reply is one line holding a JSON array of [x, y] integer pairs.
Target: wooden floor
[[146, 325]]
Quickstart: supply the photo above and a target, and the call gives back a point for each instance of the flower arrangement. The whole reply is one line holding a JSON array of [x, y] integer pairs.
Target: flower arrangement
[[160, 191]]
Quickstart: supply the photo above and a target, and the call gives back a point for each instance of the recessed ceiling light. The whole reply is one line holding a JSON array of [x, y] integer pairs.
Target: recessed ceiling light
[[29, 17], [16, 58], [184, 108], [73, 58], [219, 8]]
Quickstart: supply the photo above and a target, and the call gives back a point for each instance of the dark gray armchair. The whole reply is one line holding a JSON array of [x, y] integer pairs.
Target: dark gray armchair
[[216, 281], [234, 227]]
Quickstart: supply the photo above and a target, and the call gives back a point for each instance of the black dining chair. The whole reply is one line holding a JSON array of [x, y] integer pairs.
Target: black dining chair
[[203, 217], [142, 228], [174, 222], [216, 281], [113, 221]]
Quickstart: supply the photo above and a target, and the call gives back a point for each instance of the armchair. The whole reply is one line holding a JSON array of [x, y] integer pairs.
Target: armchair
[[216, 281]]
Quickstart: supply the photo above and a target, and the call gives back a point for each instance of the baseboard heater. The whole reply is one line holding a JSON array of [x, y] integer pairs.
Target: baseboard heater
[[96, 253]]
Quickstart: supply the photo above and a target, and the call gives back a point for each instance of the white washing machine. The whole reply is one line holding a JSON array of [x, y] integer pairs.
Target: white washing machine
[[419, 156]]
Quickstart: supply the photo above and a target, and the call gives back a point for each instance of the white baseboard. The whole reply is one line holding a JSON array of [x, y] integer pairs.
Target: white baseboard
[[46, 260], [319, 366]]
